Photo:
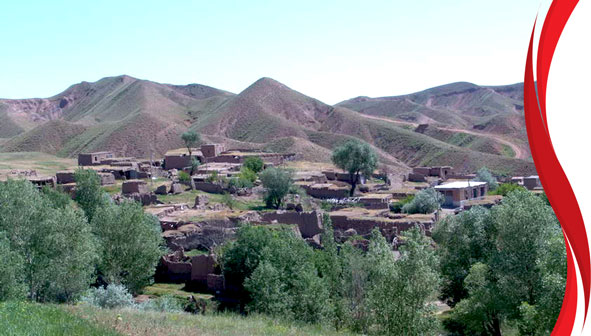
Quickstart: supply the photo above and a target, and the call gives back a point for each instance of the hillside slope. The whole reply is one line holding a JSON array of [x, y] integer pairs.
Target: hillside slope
[[469, 125]]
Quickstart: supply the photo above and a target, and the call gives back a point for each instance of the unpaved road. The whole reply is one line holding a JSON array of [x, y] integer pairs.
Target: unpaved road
[[520, 153]]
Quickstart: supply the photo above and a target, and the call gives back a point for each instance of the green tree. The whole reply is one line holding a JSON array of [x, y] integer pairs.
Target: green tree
[[463, 239], [254, 163], [277, 183], [190, 138], [55, 245], [248, 174], [12, 285], [400, 290], [286, 271], [356, 158], [425, 201], [482, 312], [131, 244], [506, 265], [57, 197], [89, 194], [505, 188], [484, 175]]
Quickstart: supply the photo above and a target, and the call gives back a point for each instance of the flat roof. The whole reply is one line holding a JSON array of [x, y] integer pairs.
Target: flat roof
[[460, 185]]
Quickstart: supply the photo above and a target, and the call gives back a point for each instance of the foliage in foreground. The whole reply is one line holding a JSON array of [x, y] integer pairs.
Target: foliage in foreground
[[282, 276], [504, 265], [50, 251], [21, 318], [130, 244]]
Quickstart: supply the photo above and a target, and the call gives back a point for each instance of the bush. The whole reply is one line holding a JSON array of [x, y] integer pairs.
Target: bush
[[213, 177], [113, 296], [228, 200], [425, 201], [239, 183], [254, 163], [505, 188], [484, 175], [163, 304], [248, 174], [184, 177], [278, 183], [396, 207]]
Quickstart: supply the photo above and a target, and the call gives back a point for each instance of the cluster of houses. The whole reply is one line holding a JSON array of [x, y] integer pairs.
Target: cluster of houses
[[203, 225]]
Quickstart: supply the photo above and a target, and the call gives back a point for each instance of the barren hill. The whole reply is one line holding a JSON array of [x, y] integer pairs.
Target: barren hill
[[495, 109], [468, 124]]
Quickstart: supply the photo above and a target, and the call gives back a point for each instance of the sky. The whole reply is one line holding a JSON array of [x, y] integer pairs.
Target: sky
[[330, 50]]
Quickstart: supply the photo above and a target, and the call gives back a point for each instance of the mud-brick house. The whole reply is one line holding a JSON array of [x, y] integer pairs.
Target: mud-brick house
[[212, 150], [457, 192], [532, 182], [179, 158], [93, 159]]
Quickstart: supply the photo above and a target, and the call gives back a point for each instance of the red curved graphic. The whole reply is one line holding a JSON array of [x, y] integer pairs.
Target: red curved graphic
[[552, 176]]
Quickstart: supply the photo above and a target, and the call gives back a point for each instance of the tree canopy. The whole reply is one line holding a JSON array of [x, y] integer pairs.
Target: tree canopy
[[277, 183], [507, 264], [356, 158]]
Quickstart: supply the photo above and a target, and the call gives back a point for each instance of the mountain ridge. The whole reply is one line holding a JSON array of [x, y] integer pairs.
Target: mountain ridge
[[139, 117]]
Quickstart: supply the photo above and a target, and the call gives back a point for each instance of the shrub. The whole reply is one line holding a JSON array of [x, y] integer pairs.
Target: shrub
[[163, 304], [228, 200], [184, 177], [505, 188], [113, 296], [277, 182], [254, 163], [248, 174], [396, 207], [425, 201], [239, 183], [484, 175]]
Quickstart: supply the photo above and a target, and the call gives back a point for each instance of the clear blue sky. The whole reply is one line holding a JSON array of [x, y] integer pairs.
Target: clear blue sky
[[330, 50]]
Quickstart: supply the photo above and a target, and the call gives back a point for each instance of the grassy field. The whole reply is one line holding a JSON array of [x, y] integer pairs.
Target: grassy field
[[172, 289], [135, 323], [37, 319], [44, 164]]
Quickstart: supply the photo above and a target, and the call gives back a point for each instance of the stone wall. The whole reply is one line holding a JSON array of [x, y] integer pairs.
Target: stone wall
[[309, 223], [134, 186], [209, 187]]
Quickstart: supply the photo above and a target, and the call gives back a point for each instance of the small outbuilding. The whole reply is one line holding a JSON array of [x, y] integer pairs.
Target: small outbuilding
[[93, 159], [457, 192]]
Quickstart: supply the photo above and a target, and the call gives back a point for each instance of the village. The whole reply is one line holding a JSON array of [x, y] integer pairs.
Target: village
[[201, 211]]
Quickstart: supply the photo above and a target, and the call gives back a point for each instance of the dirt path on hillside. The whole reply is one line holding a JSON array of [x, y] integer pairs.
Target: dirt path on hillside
[[520, 153]]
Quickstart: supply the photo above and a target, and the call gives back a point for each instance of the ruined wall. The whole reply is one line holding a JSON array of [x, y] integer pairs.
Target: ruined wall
[[309, 223], [209, 187]]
